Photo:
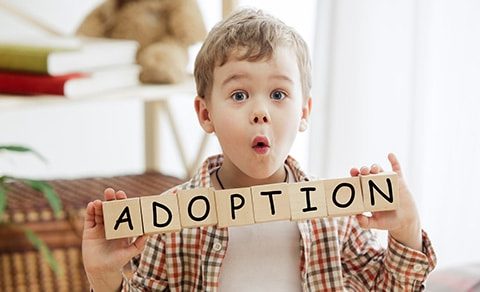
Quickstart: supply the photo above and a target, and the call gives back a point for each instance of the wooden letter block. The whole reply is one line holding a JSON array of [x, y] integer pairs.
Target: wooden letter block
[[307, 200], [234, 207], [380, 191], [343, 196], [160, 213], [122, 218], [197, 207], [270, 202]]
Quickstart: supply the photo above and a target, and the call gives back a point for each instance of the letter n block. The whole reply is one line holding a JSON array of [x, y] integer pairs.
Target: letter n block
[[380, 191], [122, 218], [160, 213], [197, 207], [307, 200], [234, 207], [270, 202], [343, 196]]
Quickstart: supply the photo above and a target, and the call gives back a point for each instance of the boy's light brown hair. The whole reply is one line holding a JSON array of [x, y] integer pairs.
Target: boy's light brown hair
[[252, 35]]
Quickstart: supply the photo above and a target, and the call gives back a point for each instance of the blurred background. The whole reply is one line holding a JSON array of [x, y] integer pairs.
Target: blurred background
[[389, 76]]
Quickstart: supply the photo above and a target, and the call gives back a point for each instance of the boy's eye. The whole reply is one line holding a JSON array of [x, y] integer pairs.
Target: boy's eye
[[239, 96], [278, 95]]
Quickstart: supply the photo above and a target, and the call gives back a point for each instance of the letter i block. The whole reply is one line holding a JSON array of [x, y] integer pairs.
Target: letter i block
[[122, 218], [380, 191], [343, 196], [234, 207], [160, 213], [307, 200], [197, 207], [270, 202]]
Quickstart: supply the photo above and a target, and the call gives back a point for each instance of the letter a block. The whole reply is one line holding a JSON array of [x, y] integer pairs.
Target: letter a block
[[270, 202], [122, 218], [197, 207], [160, 213], [307, 200], [343, 196], [380, 191], [234, 207]]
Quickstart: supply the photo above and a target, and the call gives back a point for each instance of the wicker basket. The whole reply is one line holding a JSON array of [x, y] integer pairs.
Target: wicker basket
[[21, 268]]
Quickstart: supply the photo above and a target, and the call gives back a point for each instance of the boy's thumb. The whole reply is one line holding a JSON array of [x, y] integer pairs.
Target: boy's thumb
[[137, 246]]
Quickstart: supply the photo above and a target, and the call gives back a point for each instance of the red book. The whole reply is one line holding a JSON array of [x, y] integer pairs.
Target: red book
[[30, 84], [69, 85]]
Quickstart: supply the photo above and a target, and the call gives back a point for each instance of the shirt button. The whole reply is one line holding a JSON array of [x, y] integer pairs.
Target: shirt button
[[417, 267], [217, 246]]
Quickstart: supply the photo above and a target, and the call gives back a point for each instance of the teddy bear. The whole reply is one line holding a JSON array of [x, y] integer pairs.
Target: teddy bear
[[164, 29]]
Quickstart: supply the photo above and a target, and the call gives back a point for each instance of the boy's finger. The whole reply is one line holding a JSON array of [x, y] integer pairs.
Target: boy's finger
[[366, 222], [89, 221], [395, 164], [109, 194], [120, 195], [374, 169], [364, 170], [354, 172], [97, 205]]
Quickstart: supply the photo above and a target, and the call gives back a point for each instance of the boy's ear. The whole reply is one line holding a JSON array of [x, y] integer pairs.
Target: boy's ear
[[203, 115], [306, 109]]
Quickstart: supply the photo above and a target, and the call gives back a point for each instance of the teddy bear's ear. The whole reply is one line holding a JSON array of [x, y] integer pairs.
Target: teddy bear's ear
[[203, 115], [186, 22], [98, 22]]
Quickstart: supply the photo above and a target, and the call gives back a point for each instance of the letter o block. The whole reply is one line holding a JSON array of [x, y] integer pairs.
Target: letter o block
[[197, 207], [122, 218], [160, 213], [343, 196]]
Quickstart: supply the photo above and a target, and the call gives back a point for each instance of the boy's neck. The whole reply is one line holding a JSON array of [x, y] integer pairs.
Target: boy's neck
[[229, 176]]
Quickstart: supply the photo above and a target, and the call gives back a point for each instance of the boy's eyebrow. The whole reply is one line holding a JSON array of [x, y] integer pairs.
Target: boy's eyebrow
[[233, 77], [237, 76], [282, 77]]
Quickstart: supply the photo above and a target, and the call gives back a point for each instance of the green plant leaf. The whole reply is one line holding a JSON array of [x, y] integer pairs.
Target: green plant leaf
[[44, 251], [3, 198], [24, 149], [49, 193]]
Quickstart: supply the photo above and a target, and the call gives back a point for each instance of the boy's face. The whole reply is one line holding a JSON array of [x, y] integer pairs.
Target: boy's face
[[255, 110]]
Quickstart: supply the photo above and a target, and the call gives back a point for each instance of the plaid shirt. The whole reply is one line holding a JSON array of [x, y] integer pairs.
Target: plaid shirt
[[336, 254]]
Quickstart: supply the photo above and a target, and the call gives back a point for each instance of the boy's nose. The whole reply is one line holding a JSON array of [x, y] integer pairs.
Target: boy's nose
[[259, 117]]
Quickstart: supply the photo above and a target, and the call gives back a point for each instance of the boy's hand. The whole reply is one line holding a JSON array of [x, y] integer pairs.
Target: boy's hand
[[403, 224], [103, 259]]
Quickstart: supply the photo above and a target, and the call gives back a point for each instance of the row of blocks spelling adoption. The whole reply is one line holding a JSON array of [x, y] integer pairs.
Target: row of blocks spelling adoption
[[169, 212]]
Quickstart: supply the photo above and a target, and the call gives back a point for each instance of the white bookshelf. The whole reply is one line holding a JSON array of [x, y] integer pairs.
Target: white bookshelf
[[156, 101]]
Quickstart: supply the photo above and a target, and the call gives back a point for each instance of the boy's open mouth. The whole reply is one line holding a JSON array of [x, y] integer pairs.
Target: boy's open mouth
[[261, 144]]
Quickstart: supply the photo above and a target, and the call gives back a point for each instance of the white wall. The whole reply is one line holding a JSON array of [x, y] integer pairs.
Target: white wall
[[403, 77]]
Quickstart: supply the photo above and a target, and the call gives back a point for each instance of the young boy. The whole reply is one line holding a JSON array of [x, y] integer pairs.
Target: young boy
[[253, 83]]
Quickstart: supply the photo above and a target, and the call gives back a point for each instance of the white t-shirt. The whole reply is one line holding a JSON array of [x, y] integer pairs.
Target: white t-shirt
[[262, 257]]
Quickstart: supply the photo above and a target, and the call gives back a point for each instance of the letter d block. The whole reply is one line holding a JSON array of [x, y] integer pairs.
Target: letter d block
[[160, 213], [380, 191], [234, 207], [197, 207], [122, 218], [270, 202], [343, 196]]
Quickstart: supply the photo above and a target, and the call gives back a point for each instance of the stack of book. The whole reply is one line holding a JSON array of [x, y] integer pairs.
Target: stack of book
[[70, 67]]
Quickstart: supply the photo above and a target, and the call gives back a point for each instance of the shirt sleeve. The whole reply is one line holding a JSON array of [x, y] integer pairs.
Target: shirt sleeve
[[367, 265], [149, 271]]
